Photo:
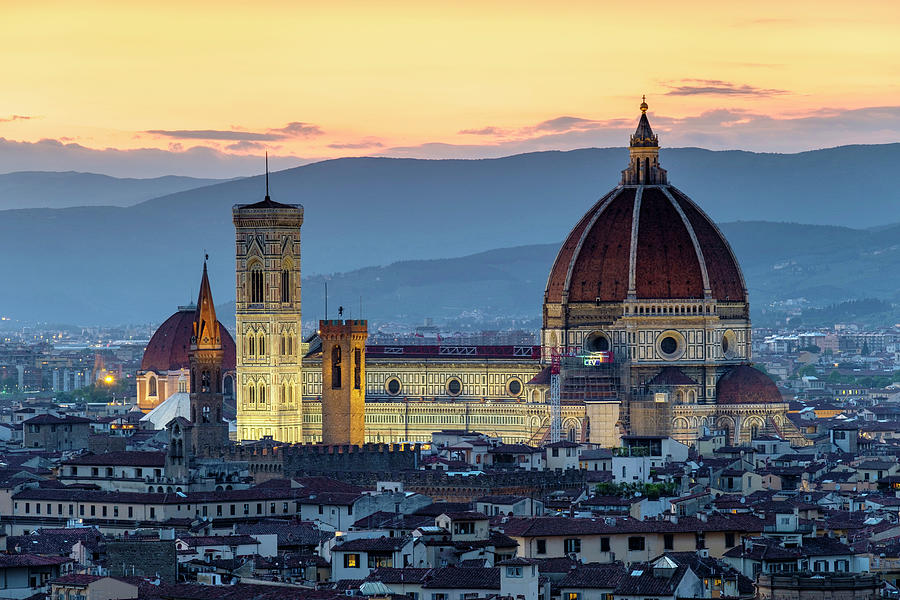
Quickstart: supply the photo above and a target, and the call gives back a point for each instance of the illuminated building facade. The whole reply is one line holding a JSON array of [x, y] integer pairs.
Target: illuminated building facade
[[267, 253]]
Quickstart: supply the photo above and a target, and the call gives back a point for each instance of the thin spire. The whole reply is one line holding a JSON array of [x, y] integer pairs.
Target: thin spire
[[206, 326], [267, 175]]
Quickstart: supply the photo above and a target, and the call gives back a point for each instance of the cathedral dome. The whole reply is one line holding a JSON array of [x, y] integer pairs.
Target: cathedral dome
[[744, 384], [168, 348], [645, 240]]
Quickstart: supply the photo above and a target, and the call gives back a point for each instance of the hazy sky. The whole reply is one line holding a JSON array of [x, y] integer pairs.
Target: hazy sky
[[143, 88]]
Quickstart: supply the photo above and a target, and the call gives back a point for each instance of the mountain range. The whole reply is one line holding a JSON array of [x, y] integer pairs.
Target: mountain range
[[63, 189], [456, 236]]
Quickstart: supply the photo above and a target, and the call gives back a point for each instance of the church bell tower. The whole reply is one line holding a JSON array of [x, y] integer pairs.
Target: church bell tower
[[209, 433], [267, 255]]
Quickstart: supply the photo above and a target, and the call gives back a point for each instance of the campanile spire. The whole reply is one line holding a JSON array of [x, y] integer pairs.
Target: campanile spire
[[206, 327], [643, 168]]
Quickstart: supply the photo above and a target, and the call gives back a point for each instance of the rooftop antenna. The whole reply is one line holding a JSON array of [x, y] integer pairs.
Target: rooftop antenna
[[267, 175]]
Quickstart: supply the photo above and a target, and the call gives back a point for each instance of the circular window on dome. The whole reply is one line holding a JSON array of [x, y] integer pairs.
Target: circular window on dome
[[514, 387], [393, 386], [596, 342], [729, 344], [670, 345], [454, 386]]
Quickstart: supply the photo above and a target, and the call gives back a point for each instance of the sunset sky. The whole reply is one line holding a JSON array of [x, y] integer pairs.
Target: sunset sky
[[212, 84]]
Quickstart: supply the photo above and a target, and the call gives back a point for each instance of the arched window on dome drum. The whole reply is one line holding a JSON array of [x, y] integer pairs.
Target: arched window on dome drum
[[256, 285], [151, 385], [285, 286]]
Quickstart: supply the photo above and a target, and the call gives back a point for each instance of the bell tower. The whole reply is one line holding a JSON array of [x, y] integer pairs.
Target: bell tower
[[209, 433], [267, 256], [343, 381]]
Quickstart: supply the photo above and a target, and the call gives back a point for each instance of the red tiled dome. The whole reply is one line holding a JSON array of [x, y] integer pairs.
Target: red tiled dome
[[168, 348], [673, 251], [745, 385]]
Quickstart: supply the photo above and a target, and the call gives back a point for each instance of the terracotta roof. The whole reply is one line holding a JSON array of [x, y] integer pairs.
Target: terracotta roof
[[121, 458], [379, 544], [641, 580], [595, 260], [48, 419], [671, 376], [168, 347], [744, 384], [459, 578], [31, 560], [219, 540], [597, 577]]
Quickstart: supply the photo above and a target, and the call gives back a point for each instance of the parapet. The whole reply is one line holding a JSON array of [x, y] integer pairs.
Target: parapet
[[339, 327]]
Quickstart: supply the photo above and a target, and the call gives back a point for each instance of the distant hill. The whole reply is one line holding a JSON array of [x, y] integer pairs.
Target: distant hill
[[58, 189], [822, 264], [136, 263]]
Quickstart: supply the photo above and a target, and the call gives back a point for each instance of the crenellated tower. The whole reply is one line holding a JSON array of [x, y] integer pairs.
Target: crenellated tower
[[343, 381], [267, 255]]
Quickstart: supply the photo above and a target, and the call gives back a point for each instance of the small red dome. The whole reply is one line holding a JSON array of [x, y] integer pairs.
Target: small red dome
[[169, 346], [670, 250], [744, 384]]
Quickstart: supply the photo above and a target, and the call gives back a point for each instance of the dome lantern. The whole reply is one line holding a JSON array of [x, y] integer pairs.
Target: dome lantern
[[643, 168]]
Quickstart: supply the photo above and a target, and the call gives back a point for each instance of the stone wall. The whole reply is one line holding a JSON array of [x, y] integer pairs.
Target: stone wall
[[145, 558]]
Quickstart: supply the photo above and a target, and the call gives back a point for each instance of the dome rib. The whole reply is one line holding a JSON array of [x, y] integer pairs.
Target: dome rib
[[725, 275], [666, 264], [590, 226], [632, 252], [645, 242], [600, 269], [707, 291], [556, 279]]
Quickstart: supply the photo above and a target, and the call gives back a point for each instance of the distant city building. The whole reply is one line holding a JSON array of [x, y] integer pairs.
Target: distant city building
[[645, 316]]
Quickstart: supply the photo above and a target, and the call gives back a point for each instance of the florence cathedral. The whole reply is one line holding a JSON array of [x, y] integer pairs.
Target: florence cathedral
[[645, 318]]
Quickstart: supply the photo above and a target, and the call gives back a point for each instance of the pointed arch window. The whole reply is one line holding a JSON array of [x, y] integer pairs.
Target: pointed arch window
[[252, 394], [262, 344], [256, 285], [251, 345], [285, 285], [204, 381], [262, 393]]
